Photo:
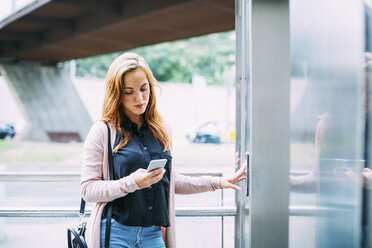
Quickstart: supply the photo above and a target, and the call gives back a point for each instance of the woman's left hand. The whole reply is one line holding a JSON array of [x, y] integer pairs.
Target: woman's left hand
[[229, 182]]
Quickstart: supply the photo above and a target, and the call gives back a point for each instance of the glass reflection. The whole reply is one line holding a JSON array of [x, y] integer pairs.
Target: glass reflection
[[327, 121], [367, 172]]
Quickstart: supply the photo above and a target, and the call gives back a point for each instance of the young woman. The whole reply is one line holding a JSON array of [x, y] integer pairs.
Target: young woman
[[143, 201]]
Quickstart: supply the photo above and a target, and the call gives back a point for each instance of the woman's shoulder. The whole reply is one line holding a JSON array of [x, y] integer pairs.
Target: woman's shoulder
[[99, 126], [98, 130]]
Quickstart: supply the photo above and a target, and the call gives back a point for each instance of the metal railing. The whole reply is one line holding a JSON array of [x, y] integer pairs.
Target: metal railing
[[73, 212], [69, 176], [73, 176], [64, 176], [180, 211]]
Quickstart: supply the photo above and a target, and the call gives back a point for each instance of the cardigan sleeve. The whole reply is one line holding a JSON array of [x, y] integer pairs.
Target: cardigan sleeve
[[193, 185], [94, 187]]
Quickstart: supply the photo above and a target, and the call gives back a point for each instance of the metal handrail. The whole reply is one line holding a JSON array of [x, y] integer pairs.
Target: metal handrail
[[75, 176], [30, 176], [65, 176], [73, 212], [180, 211]]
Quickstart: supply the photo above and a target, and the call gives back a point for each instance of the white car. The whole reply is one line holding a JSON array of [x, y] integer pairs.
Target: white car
[[212, 132]]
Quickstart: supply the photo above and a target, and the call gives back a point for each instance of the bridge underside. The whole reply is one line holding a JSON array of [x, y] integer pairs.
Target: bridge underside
[[45, 32], [50, 103], [61, 30]]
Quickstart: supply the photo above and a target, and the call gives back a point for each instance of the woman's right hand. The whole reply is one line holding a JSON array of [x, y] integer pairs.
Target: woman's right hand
[[146, 178]]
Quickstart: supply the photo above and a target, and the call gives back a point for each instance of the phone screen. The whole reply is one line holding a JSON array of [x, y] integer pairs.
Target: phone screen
[[156, 163]]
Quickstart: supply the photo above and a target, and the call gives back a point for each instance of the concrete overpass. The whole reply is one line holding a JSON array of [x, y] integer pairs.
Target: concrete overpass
[[35, 38]]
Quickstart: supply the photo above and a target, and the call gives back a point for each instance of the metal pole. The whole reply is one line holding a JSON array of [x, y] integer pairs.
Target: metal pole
[[269, 123], [242, 112], [222, 219]]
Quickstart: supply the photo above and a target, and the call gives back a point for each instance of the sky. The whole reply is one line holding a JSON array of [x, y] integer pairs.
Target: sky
[[6, 6]]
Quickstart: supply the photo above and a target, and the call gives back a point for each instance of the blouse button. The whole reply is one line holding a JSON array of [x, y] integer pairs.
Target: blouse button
[[150, 208], [145, 148]]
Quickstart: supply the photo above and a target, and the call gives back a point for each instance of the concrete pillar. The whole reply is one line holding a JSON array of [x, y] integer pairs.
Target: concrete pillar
[[49, 102]]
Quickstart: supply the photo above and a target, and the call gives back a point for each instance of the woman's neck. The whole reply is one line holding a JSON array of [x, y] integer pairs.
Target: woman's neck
[[138, 120]]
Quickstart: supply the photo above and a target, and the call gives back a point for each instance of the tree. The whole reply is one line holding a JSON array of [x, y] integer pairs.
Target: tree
[[209, 55]]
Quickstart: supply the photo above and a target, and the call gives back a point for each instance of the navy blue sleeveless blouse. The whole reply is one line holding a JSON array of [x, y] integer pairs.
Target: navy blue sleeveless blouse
[[149, 206]]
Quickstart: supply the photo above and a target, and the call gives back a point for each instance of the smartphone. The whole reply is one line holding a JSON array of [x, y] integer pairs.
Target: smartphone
[[156, 163]]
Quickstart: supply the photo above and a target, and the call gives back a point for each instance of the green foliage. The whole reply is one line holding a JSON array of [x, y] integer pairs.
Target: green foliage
[[209, 55], [5, 145]]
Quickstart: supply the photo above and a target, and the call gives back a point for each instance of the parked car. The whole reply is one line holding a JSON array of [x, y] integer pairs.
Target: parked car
[[212, 132], [7, 130]]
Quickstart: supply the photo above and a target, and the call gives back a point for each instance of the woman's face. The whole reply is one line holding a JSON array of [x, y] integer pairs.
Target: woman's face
[[136, 94]]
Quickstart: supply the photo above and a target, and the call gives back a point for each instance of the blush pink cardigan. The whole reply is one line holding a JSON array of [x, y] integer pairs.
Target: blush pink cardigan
[[97, 188]]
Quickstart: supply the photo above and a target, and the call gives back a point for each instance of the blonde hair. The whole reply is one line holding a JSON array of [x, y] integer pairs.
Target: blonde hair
[[113, 111]]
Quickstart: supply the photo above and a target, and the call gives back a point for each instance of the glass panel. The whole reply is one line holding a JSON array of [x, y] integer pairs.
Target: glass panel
[[207, 232], [185, 106], [35, 232], [37, 194], [367, 172], [51, 232], [326, 122]]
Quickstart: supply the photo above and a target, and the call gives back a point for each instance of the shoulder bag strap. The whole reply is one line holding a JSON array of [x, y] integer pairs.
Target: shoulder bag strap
[[82, 207], [81, 212], [109, 207]]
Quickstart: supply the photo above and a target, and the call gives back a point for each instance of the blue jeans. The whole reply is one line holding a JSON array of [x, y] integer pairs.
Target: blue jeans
[[122, 236]]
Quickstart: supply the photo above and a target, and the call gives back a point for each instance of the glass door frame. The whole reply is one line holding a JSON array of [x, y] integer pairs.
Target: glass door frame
[[262, 122]]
